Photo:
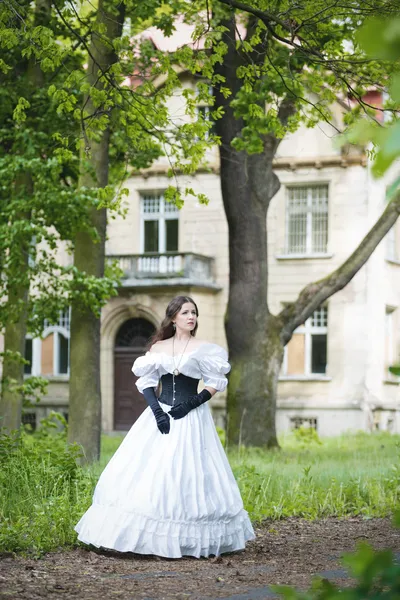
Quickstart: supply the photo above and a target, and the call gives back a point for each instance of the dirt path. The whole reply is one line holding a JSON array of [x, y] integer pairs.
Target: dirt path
[[289, 552]]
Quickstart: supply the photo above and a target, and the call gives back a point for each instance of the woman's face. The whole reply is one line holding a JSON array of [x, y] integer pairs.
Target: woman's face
[[186, 318]]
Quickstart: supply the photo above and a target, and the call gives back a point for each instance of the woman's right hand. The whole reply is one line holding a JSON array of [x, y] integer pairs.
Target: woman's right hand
[[162, 420]]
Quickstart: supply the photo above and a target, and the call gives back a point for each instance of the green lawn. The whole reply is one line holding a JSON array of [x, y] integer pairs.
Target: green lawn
[[346, 475], [43, 492]]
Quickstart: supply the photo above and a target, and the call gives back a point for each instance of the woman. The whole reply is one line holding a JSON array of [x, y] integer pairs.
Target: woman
[[169, 489]]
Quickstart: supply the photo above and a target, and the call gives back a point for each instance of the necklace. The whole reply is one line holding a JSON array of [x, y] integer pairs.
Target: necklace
[[176, 369], [175, 372]]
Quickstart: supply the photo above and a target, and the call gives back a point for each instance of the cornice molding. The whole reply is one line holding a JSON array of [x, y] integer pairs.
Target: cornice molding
[[279, 164]]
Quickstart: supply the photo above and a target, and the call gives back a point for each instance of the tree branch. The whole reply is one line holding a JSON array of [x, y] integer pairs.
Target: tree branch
[[293, 28], [314, 294]]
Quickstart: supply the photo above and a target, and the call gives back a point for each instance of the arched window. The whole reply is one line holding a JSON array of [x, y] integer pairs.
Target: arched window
[[134, 333]]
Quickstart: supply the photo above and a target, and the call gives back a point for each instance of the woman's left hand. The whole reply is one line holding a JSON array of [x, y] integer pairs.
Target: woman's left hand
[[178, 411]]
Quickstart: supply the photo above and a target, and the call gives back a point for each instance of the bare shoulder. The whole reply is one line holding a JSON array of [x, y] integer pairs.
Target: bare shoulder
[[160, 346]]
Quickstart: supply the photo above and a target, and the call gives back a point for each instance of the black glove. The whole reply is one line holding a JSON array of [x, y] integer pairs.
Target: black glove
[[162, 418], [178, 411]]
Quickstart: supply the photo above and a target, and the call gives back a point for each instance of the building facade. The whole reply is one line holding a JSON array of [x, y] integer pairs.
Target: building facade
[[335, 374]]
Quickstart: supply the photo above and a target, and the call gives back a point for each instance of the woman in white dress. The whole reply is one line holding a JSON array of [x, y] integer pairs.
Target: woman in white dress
[[169, 489]]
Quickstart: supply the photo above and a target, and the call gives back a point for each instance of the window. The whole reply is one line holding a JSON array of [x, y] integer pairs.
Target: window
[[205, 112], [306, 353], [29, 418], [307, 220], [159, 225], [55, 345], [28, 356], [297, 422]]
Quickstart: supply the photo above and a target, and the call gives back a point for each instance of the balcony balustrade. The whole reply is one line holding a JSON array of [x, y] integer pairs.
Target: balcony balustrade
[[167, 269]]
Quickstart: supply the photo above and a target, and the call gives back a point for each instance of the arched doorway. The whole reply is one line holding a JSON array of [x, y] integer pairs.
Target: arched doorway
[[130, 342]]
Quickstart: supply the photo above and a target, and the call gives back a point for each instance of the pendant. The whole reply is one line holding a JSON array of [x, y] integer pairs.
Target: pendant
[[176, 372]]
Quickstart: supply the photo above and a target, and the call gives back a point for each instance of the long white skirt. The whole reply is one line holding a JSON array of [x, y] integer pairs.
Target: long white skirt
[[170, 495]]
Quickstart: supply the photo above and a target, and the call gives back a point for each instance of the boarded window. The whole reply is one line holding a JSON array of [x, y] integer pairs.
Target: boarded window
[[306, 353], [48, 355]]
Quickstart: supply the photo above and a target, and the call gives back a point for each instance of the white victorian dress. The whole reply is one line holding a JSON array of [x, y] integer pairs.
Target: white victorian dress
[[170, 495]]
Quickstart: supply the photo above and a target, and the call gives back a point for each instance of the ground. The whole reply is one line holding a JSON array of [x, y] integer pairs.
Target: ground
[[285, 552]]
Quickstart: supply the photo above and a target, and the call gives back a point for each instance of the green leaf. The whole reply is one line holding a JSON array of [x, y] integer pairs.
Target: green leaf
[[19, 114], [394, 87], [380, 38]]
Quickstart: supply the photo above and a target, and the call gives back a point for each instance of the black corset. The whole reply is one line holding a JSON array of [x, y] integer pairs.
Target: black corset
[[184, 388]]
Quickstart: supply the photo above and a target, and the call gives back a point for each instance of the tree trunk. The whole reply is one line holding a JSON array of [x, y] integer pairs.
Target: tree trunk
[[255, 348], [89, 255], [256, 338], [15, 330], [18, 287], [248, 183]]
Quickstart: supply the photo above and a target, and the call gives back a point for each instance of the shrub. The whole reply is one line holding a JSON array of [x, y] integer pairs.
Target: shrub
[[43, 489]]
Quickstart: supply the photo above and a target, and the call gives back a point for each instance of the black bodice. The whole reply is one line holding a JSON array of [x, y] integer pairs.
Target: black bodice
[[184, 387]]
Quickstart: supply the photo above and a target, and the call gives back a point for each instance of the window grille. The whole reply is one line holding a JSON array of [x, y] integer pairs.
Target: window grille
[[297, 422], [64, 320], [319, 318], [307, 219], [151, 204]]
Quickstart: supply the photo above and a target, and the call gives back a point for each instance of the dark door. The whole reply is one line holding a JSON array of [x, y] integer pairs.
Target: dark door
[[131, 342]]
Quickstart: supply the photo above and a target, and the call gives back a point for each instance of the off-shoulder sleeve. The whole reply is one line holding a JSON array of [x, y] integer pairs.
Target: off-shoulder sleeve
[[214, 366], [146, 368]]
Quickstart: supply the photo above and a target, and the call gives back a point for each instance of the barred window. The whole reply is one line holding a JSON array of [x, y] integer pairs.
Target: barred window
[[307, 219], [159, 224], [297, 422], [306, 353]]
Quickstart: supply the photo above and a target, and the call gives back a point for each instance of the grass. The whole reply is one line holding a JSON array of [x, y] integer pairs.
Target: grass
[[349, 475], [43, 491]]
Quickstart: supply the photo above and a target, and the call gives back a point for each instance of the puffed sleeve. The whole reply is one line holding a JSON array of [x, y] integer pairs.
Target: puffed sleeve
[[214, 366], [146, 368]]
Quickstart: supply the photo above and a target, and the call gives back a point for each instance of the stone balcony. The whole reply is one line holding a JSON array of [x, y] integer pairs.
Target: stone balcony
[[170, 269]]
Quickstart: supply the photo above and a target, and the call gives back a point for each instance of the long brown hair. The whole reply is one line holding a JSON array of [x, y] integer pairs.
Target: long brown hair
[[166, 329]]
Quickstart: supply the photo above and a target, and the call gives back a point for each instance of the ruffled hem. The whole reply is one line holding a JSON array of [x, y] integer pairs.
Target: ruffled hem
[[113, 528]]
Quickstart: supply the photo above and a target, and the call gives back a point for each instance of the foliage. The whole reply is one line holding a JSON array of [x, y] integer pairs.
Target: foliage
[[304, 54], [47, 130], [41, 487], [222, 435], [354, 474], [377, 575], [306, 436], [380, 39], [43, 491]]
